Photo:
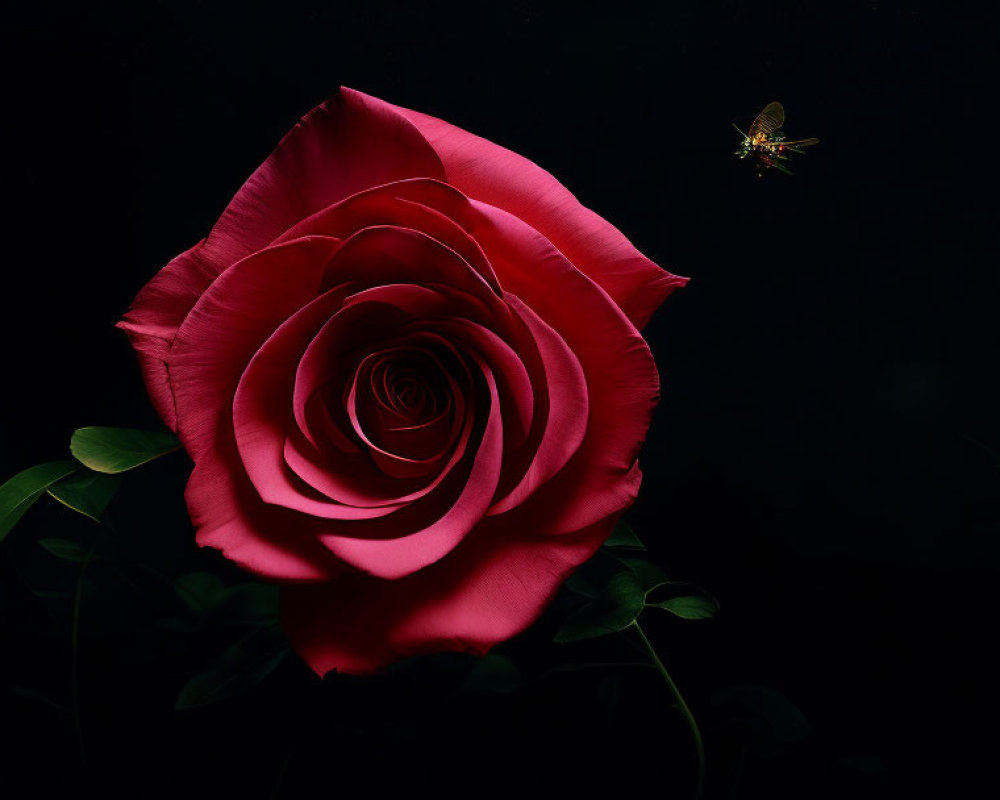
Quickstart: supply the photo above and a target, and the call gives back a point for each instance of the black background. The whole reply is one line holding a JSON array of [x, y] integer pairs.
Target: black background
[[821, 458]]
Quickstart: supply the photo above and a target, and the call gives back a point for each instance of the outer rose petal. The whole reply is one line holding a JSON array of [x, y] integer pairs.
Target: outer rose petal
[[230, 322], [350, 143], [156, 314], [493, 174], [490, 588], [623, 385], [272, 542]]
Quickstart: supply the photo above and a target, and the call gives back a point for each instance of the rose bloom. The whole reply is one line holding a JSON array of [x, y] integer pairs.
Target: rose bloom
[[407, 365]]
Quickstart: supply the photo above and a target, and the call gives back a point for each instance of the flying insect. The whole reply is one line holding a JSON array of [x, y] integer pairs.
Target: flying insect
[[766, 142]]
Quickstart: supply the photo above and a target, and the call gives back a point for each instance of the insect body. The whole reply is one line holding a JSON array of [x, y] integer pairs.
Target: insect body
[[766, 141]]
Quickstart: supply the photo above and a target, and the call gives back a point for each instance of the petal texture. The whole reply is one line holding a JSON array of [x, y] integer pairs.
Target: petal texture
[[493, 174], [489, 589]]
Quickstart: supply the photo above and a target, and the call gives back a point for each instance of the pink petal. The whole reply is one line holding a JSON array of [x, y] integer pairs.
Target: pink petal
[[420, 204], [382, 255], [229, 323], [156, 313], [514, 382], [371, 319], [393, 461], [490, 588], [262, 414], [492, 174], [351, 477], [271, 542], [412, 548], [558, 431], [354, 481], [348, 144], [622, 381]]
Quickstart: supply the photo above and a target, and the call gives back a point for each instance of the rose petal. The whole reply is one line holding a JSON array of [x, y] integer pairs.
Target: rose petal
[[229, 323], [152, 321], [622, 381], [420, 204], [351, 477], [515, 386], [410, 402], [381, 255], [367, 319], [560, 430], [262, 414], [416, 548], [346, 145], [493, 174], [268, 541], [350, 480], [392, 461], [490, 588]]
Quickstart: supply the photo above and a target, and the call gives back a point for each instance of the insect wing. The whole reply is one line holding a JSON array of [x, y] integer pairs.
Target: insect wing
[[769, 120], [800, 143]]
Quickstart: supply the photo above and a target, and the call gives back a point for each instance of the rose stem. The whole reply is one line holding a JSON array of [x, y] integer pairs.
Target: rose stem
[[276, 791], [699, 745], [75, 657]]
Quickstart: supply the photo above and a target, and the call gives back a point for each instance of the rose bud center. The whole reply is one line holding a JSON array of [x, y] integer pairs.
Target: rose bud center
[[404, 407]]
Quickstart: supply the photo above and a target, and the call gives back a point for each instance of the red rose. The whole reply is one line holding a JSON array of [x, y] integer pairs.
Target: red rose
[[407, 366]]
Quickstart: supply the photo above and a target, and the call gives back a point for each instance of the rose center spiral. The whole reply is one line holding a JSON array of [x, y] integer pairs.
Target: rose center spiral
[[405, 404]]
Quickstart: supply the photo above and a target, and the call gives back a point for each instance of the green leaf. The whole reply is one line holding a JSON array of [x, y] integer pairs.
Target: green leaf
[[250, 604], [578, 584], [775, 720], [19, 493], [33, 694], [202, 592], [52, 594], [688, 601], [621, 600], [242, 666], [649, 575], [88, 493], [870, 765], [114, 450], [175, 625], [245, 604], [66, 549], [689, 606], [623, 537], [494, 673]]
